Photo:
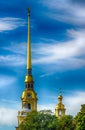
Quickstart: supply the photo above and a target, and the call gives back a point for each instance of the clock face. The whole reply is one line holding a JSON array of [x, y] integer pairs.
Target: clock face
[[29, 95]]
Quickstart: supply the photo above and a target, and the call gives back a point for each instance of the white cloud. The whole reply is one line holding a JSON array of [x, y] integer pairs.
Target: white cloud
[[10, 23], [8, 113], [66, 11], [46, 107], [45, 75], [18, 56], [13, 104], [17, 48], [74, 102], [6, 80], [12, 60], [65, 53], [8, 116]]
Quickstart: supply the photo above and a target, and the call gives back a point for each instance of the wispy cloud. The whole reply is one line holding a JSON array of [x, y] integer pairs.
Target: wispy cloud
[[14, 104], [6, 80], [65, 53], [16, 57], [46, 107], [45, 75], [73, 102], [10, 23], [12, 60], [16, 48], [66, 11], [8, 116]]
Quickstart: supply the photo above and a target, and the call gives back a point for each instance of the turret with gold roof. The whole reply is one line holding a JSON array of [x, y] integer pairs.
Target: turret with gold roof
[[60, 108], [29, 97]]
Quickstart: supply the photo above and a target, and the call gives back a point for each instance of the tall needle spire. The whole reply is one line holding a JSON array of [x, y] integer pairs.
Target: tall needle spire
[[28, 77], [29, 64]]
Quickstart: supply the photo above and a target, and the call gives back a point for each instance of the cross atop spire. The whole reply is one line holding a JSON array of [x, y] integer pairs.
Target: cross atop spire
[[60, 91], [28, 11]]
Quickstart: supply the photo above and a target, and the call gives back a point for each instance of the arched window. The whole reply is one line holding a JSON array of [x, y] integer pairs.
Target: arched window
[[60, 112], [32, 86], [28, 85], [29, 106]]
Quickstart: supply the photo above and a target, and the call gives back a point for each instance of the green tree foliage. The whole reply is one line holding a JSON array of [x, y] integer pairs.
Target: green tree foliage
[[80, 119], [66, 123], [39, 121], [45, 120]]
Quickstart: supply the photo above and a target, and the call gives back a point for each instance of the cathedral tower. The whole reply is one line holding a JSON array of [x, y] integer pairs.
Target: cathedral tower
[[60, 108], [29, 97]]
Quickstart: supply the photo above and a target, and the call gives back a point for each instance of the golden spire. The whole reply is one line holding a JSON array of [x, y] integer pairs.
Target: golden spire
[[29, 64], [29, 77]]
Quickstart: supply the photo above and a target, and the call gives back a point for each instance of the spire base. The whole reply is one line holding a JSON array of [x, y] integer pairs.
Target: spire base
[[29, 79], [29, 71]]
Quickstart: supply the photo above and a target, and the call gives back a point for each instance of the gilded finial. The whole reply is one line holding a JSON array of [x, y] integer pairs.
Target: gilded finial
[[60, 95], [60, 91], [28, 11]]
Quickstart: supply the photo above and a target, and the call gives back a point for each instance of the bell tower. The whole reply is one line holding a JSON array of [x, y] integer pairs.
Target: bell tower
[[60, 108], [29, 97]]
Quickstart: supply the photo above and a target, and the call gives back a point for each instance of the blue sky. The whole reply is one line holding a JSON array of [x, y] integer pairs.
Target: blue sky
[[58, 55]]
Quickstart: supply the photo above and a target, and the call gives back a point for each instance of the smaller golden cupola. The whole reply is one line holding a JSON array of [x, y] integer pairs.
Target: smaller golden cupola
[[60, 108]]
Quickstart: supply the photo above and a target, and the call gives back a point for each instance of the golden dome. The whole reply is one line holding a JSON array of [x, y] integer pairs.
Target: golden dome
[[60, 97], [28, 78], [60, 106]]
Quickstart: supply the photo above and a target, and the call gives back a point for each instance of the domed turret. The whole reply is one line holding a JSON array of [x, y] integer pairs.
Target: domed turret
[[60, 108], [28, 79], [60, 97]]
